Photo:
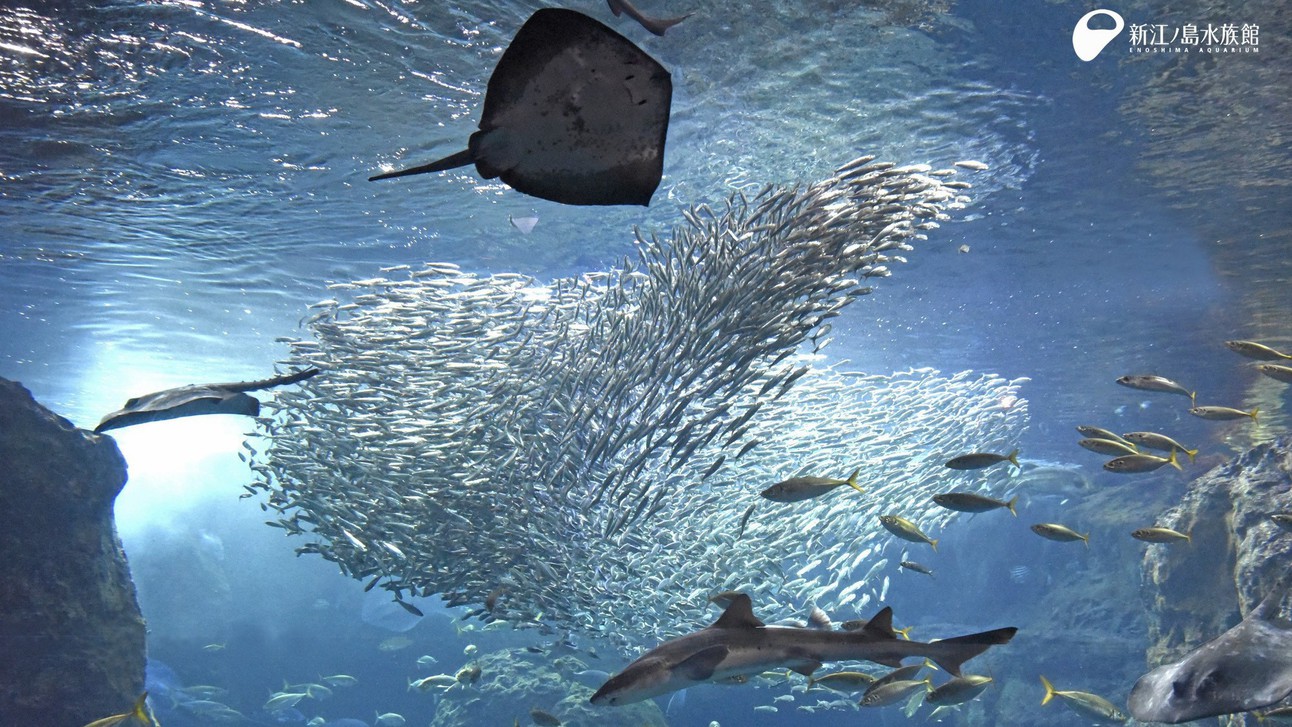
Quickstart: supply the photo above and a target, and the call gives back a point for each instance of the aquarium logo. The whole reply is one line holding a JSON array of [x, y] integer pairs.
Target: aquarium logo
[[1088, 41], [1165, 38]]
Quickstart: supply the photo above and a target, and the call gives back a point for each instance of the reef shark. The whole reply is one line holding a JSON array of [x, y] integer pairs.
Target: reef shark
[[738, 644], [195, 400], [1245, 668]]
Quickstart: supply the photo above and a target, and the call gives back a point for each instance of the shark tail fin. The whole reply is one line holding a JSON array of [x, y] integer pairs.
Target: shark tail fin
[[951, 653], [1049, 691], [852, 480], [452, 161]]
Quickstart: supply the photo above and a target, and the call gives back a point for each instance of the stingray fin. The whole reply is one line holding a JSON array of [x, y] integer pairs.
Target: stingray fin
[[701, 665], [452, 161], [739, 615]]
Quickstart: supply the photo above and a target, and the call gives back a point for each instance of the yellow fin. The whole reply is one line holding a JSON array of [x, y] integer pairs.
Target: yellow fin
[[1013, 458], [852, 480], [1049, 691], [1012, 502]]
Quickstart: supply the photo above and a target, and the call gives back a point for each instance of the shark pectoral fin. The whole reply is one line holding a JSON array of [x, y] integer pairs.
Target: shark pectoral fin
[[739, 615], [806, 667], [880, 626], [700, 666], [892, 662]]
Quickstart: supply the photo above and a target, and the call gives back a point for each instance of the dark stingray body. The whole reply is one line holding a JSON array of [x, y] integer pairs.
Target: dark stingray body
[[1245, 668], [574, 113], [196, 400]]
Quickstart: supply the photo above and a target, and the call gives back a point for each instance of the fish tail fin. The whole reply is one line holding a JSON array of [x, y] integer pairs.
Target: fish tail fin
[[951, 653], [1085, 539], [1188, 536], [1174, 461], [1013, 459], [1254, 412], [1193, 398], [852, 480], [934, 542], [452, 161], [1049, 691], [140, 710], [1012, 502], [1191, 454]]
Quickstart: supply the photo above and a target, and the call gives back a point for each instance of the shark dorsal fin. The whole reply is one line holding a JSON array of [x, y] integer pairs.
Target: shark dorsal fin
[[701, 665], [881, 625], [739, 615]]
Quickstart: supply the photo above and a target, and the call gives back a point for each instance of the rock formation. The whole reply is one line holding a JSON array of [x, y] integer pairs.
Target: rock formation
[[71, 635]]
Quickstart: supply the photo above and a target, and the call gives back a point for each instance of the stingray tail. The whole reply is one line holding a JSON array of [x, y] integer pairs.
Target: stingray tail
[[452, 161], [951, 653], [283, 380]]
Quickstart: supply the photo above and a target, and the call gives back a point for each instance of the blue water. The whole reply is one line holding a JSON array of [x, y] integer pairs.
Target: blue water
[[179, 180]]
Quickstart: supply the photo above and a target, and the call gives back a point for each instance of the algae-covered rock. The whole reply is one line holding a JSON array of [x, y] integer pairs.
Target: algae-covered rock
[[514, 681], [71, 635]]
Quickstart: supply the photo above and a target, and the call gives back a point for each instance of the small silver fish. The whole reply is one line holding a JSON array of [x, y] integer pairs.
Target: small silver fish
[[1153, 382], [979, 460], [1278, 372], [1160, 442], [1060, 533], [912, 565], [1258, 351], [973, 502], [1160, 535], [1110, 447], [1135, 463], [1222, 413]]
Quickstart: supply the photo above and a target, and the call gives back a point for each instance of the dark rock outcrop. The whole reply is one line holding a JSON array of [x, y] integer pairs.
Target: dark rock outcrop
[[1238, 555], [71, 634]]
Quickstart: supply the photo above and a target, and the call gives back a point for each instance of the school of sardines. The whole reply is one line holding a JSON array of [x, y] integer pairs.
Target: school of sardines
[[588, 455]]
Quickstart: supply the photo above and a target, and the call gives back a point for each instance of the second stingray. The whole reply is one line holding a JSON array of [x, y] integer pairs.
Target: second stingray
[[574, 113]]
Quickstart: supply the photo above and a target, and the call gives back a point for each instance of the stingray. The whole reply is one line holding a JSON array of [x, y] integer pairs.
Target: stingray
[[574, 113], [195, 400], [1245, 668]]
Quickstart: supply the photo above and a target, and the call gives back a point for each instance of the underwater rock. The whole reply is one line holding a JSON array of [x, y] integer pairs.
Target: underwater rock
[[1237, 557], [71, 634]]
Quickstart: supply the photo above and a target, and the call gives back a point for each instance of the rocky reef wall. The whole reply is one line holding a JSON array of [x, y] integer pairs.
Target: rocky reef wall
[[71, 634]]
